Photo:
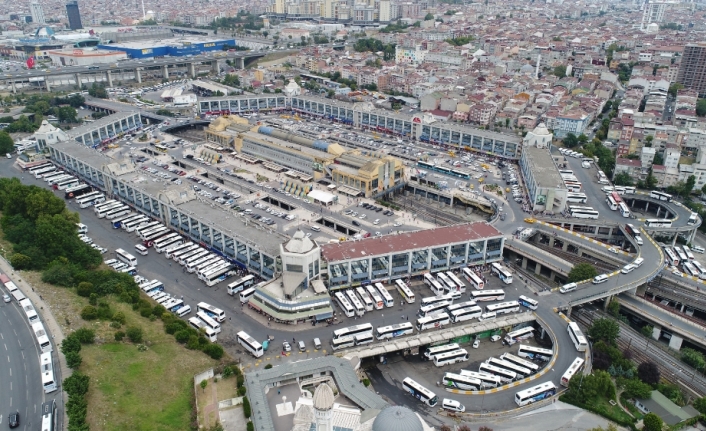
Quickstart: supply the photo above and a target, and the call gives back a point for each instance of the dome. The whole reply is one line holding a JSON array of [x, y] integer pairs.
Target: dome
[[323, 397], [299, 243], [397, 418], [541, 129]]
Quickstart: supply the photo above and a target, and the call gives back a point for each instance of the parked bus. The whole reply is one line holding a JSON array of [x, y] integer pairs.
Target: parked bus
[[342, 343], [519, 335], [487, 381], [103, 210], [528, 302], [488, 295], [577, 337], [446, 283], [47, 369], [195, 257], [36, 168], [436, 287], [240, 284], [576, 198], [503, 274], [65, 184], [208, 321], [213, 312], [660, 196], [458, 381], [169, 241], [345, 305], [471, 277], [420, 392], [29, 311], [671, 257], [693, 219], [690, 269], [405, 291], [90, 199], [351, 331], [680, 253], [535, 353], [118, 222], [460, 305], [362, 339], [573, 369], [584, 213], [217, 275], [506, 376], [386, 297], [520, 371], [147, 230], [365, 298], [77, 191], [431, 352], [52, 175], [394, 331], [503, 307], [170, 251], [57, 179], [42, 338], [460, 286], [117, 212], [152, 286], [509, 357], [535, 393], [429, 300], [204, 262], [200, 326], [357, 305], [145, 227], [430, 310], [375, 295], [39, 173], [49, 416], [250, 344], [687, 251], [436, 321], [624, 210], [246, 294], [453, 357], [468, 313], [179, 253], [151, 236]]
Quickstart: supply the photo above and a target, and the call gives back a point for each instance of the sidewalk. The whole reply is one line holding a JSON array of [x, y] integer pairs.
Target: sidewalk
[[50, 325]]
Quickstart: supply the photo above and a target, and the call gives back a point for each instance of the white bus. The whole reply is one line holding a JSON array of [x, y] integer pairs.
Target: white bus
[[151, 236], [671, 257], [431, 352], [47, 366], [152, 286], [29, 310], [217, 275], [528, 302], [103, 210], [49, 416], [405, 291], [699, 267], [682, 256], [136, 222], [145, 227], [169, 241], [195, 257], [386, 297], [576, 198], [56, 179], [471, 277], [352, 331], [460, 305], [240, 284], [119, 221], [169, 254], [50, 176], [460, 286], [362, 339], [573, 369], [343, 343], [693, 218], [468, 313], [435, 286], [503, 307], [585, 214], [446, 283], [509, 357], [42, 338], [345, 305], [503, 274], [689, 254], [658, 222], [430, 300], [199, 325], [394, 331], [246, 294], [359, 309], [147, 232], [535, 393], [39, 173], [420, 392], [612, 204], [487, 380], [452, 357], [624, 210], [375, 295], [520, 371], [117, 212], [34, 169], [436, 321], [690, 269], [179, 253], [201, 262], [213, 312], [506, 376], [458, 381], [488, 295], [183, 257], [125, 257], [519, 335], [63, 185], [660, 196], [250, 344], [363, 295], [430, 310], [89, 199], [577, 337], [208, 321]]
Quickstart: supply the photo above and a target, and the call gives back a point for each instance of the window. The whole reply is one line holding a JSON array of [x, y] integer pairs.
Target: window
[[316, 267], [311, 270], [294, 268]]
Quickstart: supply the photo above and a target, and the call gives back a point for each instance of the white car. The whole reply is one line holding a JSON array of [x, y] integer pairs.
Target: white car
[[377, 221], [613, 250], [6, 298], [397, 224], [452, 405], [286, 347], [495, 338], [476, 344]]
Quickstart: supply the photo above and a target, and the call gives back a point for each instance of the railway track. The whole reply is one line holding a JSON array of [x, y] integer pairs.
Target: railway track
[[441, 218], [644, 349]]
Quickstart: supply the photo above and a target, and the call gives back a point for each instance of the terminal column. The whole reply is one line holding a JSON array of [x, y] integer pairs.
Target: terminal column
[[46, 83], [606, 302], [240, 62], [192, 70], [138, 75], [165, 71], [109, 77]]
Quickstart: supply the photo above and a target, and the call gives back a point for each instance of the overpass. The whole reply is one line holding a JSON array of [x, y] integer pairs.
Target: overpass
[[111, 107]]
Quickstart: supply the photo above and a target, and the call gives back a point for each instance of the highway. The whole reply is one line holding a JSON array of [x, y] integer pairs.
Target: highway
[[20, 373]]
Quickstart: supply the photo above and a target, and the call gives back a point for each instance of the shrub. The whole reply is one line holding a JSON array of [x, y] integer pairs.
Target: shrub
[[119, 336], [268, 366], [171, 328], [118, 317], [70, 344], [84, 289], [21, 261], [93, 299], [228, 371], [652, 422], [366, 382], [193, 343], [76, 384], [242, 390], [246, 408], [240, 381], [146, 311], [85, 335], [134, 333], [215, 351], [158, 310], [73, 360], [182, 336], [89, 312], [250, 427]]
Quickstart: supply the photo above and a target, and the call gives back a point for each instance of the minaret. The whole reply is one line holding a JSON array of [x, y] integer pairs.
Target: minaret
[[143, 9], [536, 71], [323, 407]]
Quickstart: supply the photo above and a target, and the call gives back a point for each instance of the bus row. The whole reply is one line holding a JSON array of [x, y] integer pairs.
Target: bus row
[[209, 267], [584, 212], [615, 202]]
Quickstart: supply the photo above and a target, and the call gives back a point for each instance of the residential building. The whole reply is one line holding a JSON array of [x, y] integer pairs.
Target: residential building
[[37, 13], [692, 71], [74, 15]]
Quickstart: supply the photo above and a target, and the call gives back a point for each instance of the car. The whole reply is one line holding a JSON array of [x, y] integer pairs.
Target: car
[[677, 273], [6, 298], [452, 405], [356, 223], [8, 155], [397, 224], [495, 338], [13, 419], [377, 221], [476, 344], [613, 250], [286, 347]]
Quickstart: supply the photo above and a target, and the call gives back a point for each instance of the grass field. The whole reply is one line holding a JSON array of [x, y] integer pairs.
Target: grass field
[[129, 389]]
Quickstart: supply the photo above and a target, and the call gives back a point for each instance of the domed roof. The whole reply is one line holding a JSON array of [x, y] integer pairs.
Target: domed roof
[[299, 243], [397, 418], [541, 129], [323, 397]]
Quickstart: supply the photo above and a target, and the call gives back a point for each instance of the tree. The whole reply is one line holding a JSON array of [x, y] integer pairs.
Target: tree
[[650, 181], [689, 185], [246, 408], [6, 143], [693, 358], [701, 108], [700, 405], [66, 114], [635, 388], [445, 427], [134, 333], [622, 179], [648, 372], [647, 330], [73, 360], [203, 384], [428, 17], [560, 71], [652, 422], [614, 307], [604, 329], [20, 261], [582, 271], [674, 88], [570, 141], [89, 312], [582, 139]]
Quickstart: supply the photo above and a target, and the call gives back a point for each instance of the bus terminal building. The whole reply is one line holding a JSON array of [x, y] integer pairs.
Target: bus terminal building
[[383, 259]]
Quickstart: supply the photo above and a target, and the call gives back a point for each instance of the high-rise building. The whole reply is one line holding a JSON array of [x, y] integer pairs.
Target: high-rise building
[[37, 13], [74, 15], [692, 71]]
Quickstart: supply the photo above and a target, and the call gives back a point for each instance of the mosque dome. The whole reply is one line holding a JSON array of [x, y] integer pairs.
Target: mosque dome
[[397, 418], [299, 243], [323, 397]]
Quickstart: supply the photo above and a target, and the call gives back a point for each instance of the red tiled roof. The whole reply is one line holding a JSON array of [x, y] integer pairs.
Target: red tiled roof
[[408, 241]]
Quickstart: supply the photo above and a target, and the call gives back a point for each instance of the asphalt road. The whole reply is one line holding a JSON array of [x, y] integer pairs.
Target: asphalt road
[[20, 376]]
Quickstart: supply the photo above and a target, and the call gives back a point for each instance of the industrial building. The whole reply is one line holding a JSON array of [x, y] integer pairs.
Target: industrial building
[[388, 258], [176, 47], [365, 116], [84, 57]]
